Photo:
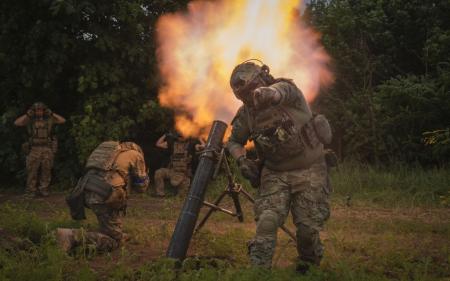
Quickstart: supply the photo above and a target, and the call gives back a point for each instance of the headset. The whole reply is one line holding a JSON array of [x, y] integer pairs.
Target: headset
[[265, 70]]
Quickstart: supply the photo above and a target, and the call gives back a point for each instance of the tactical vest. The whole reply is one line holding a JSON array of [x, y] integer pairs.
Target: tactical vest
[[180, 160], [104, 156], [40, 132], [284, 135]]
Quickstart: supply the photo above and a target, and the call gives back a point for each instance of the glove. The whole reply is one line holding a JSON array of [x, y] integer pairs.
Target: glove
[[249, 170], [48, 112], [30, 113], [265, 96]]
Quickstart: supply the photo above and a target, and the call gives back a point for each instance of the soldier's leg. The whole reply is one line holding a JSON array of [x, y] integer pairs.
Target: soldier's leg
[[184, 184], [109, 221], [32, 166], [68, 239], [310, 210], [102, 242], [47, 156], [271, 210], [160, 176]]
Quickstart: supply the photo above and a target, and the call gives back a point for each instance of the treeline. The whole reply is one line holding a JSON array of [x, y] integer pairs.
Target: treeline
[[94, 63], [91, 61], [391, 98]]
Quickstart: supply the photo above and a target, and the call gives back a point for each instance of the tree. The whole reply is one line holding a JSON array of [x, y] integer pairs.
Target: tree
[[91, 61], [391, 63]]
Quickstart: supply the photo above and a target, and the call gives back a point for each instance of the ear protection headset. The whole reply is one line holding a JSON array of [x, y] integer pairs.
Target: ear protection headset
[[265, 70]]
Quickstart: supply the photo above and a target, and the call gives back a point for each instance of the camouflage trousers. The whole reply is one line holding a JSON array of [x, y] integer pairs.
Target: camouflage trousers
[[110, 232], [40, 159], [304, 193], [177, 179]]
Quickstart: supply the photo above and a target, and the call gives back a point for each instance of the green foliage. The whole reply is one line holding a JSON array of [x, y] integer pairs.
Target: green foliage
[[396, 185], [93, 62], [391, 61]]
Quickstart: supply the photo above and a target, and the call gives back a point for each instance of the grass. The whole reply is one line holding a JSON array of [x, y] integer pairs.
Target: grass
[[396, 226], [392, 186]]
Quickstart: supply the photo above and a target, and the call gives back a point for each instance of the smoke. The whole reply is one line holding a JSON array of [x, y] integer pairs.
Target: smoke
[[198, 49]]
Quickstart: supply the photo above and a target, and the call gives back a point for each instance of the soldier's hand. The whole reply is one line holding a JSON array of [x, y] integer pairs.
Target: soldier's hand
[[249, 170], [48, 112], [30, 113], [265, 96]]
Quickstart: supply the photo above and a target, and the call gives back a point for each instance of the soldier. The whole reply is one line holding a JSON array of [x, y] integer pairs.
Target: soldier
[[40, 148], [182, 154], [293, 175], [111, 170]]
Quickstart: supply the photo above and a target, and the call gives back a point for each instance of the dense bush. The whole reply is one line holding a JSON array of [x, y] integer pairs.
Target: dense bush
[[392, 67], [94, 63]]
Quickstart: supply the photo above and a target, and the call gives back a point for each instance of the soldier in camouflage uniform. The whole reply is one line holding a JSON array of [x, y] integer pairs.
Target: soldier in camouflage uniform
[[112, 169], [179, 171], [40, 148], [294, 174]]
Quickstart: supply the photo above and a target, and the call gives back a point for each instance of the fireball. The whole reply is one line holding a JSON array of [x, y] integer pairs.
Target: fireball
[[198, 49]]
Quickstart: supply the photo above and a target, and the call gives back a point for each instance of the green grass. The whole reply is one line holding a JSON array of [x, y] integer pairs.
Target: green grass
[[391, 186], [396, 226]]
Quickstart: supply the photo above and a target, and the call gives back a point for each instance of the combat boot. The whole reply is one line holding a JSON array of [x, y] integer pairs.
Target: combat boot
[[65, 237]]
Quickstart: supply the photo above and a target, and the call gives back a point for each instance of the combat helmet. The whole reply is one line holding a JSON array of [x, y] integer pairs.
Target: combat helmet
[[39, 105], [248, 75]]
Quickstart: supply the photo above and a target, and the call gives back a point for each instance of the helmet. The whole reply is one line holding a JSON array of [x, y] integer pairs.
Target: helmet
[[39, 105], [244, 77]]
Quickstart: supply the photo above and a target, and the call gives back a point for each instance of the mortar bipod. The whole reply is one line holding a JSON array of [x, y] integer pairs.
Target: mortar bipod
[[233, 190]]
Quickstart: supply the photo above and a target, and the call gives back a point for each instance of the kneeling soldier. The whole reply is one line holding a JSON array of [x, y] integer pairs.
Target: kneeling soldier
[[110, 170], [179, 171]]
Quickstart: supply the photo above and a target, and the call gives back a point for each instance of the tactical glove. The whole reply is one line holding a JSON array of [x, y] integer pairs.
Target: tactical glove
[[48, 112], [249, 170], [265, 96], [30, 113]]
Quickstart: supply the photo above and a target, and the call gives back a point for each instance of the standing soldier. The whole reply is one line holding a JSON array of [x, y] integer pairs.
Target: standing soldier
[[111, 169], [293, 175], [40, 147], [179, 171]]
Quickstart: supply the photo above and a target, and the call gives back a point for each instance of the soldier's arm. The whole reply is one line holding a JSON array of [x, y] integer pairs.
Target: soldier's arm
[[240, 134], [22, 120], [200, 145], [162, 142], [139, 174], [289, 94], [58, 119]]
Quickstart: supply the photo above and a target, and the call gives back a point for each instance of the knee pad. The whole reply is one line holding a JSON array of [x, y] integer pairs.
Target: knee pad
[[267, 223]]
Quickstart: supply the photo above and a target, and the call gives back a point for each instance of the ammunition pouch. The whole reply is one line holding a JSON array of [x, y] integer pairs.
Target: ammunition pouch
[[96, 183], [322, 128], [75, 200], [41, 141]]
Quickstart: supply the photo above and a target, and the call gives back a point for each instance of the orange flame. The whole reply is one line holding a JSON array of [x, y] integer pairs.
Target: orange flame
[[197, 51]]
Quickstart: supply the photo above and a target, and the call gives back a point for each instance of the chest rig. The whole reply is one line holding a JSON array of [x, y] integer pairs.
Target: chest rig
[[181, 159], [40, 132], [282, 132]]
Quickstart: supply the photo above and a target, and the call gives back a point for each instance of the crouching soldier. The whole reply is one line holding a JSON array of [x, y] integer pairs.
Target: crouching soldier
[[111, 170]]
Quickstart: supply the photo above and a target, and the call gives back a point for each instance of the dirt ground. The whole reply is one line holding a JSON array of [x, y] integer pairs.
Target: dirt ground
[[359, 233]]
